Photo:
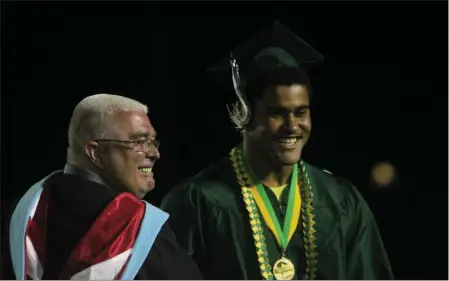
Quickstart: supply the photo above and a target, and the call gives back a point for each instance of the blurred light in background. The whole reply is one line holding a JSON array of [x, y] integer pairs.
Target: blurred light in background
[[383, 174]]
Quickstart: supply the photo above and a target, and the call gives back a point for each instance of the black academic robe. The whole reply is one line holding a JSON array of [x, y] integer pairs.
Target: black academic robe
[[209, 216], [76, 200]]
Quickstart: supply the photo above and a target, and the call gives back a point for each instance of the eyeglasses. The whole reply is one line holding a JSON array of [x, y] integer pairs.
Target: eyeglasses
[[143, 145]]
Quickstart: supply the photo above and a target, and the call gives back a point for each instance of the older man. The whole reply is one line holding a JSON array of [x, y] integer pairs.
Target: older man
[[88, 222]]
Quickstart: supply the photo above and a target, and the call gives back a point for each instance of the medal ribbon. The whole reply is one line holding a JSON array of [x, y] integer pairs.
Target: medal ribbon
[[260, 196]]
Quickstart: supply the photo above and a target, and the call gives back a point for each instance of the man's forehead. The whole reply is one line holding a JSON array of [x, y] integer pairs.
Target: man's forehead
[[143, 134], [280, 95], [128, 117], [134, 123]]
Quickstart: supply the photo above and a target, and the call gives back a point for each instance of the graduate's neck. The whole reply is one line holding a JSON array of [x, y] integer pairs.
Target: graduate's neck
[[270, 174]]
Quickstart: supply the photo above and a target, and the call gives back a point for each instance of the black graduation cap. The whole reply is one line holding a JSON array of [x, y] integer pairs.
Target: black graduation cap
[[274, 46]]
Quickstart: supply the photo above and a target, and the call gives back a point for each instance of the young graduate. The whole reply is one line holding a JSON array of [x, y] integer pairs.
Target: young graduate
[[262, 212]]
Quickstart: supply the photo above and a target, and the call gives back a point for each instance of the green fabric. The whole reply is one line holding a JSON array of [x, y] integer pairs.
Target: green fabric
[[268, 59], [209, 218], [273, 46]]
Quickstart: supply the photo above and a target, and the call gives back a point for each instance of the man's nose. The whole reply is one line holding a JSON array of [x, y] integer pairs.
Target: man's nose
[[153, 153], [291, 123]]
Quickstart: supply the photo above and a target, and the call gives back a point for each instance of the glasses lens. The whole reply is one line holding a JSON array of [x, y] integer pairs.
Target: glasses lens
[[148, 145]]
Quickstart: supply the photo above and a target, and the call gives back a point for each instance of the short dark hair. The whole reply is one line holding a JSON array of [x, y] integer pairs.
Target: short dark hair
[[255, 86]]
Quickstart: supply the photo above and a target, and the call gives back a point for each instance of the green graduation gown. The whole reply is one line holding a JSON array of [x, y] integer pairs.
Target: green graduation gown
[[210, 219]]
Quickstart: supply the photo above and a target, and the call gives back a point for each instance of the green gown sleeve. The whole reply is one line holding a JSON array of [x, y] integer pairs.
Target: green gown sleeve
[[366, 255], [183, 206]]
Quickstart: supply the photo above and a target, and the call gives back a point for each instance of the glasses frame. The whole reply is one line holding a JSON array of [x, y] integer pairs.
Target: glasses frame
[[137, 145]]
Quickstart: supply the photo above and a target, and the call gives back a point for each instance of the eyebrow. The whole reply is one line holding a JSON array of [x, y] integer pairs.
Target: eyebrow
[[136, 135], [283, 109]]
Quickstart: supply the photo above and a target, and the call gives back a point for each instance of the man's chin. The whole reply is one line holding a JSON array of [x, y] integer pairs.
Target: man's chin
[[147, 189], [288, 157], [142, 191], [289, 161]]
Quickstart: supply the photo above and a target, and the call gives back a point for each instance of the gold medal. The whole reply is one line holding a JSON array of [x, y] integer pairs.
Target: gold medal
[[283, 269]]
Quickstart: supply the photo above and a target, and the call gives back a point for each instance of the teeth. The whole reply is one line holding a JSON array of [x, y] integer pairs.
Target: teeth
[[288, 140], [145, 170]]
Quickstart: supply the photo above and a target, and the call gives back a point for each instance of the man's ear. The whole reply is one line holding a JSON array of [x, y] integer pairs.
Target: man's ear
[[91, 150]]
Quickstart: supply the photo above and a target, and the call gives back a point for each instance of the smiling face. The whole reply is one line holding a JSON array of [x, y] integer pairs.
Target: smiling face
[[126, 162], [281, 123]]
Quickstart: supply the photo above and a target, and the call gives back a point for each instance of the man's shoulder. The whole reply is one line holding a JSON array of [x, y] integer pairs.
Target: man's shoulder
[[214, 184], [332, 189], [154, 211], [166, 250], [218, 173]]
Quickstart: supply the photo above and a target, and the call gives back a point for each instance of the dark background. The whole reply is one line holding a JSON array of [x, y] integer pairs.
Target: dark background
[[380, 95]]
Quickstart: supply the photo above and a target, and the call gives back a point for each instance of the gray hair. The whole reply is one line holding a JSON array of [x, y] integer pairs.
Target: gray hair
[[89, 120]]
